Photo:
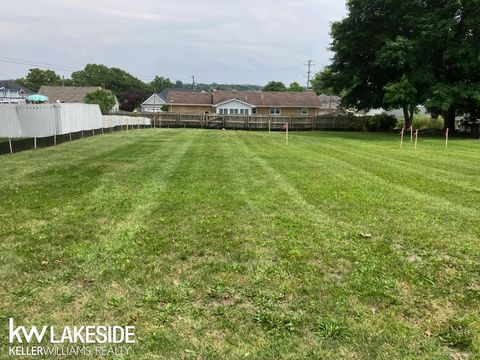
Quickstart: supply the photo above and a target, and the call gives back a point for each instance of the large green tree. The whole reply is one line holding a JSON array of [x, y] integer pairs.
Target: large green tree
[[120, 82], [395, 54], [451, 38], [37, 77], [375, 57]]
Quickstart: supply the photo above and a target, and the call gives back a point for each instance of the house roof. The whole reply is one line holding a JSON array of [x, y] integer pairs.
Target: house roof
[[164, 93], [13, 85], [329, 101], [67, 94], [189, 98], [269, 98], [154, 99], [254, 98]]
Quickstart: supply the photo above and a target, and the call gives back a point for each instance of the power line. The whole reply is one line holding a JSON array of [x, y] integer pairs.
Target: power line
[[37, 64]]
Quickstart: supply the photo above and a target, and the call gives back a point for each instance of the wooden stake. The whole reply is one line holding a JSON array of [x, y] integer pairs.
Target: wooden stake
[[35, 142], [269, 125], [93, 132], [82, 134], [411, 133], [10, 145], [70, 136], [416, 138], [55, 139], [446, 138], [286, 133], [401, 138]]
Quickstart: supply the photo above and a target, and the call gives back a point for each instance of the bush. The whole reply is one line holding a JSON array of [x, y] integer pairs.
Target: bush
[[379, 122], [104, 98], [424, 122]]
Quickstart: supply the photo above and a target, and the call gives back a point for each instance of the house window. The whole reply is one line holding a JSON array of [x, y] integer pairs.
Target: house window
[[275, 111], [304, 111], [231, 111], [254, 111], [236, 111]]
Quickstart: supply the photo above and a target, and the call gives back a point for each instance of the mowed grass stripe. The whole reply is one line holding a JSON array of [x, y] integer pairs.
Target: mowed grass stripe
[[419, 184], [381, 180]]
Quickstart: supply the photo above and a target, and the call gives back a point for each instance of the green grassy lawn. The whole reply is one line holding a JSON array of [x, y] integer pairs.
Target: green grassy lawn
[[226, 245]]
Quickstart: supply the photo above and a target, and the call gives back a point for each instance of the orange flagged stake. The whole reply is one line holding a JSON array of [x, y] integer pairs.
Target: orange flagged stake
[[446, 138], [401, 137]]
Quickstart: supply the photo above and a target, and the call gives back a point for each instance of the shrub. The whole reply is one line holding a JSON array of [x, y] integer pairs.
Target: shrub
[[104, 98], [424, 122], [379, 122]]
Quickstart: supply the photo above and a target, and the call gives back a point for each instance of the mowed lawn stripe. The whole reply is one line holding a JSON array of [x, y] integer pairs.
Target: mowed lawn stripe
[[380, 177]]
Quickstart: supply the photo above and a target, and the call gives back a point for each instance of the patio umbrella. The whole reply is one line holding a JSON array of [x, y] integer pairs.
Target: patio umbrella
[[37, 98]]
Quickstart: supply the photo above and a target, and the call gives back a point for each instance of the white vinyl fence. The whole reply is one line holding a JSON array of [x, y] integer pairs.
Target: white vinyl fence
[[43, 120]]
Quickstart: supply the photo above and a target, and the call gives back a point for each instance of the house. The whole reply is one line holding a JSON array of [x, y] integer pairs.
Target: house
[[157, 100], [189, 102], [12, 93], [263, 103], [70, 94], [330, 103], [266, 103]]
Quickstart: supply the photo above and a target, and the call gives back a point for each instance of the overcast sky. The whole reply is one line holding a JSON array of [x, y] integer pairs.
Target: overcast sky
[[223, 41]]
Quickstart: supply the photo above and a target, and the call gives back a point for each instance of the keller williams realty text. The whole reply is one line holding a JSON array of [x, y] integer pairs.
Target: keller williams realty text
[[21, 340]]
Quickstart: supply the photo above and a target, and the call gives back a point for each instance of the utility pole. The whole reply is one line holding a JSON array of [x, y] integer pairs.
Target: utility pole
[[309, 72], [193, 82], [154, 106]]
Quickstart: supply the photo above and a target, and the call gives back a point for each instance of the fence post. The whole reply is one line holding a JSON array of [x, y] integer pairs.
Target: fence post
[[10, 145], [35, 142]]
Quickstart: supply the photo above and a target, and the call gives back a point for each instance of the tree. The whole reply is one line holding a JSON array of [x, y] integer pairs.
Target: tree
[[275, 86], [104, 98], [320, 82], [402, 54], [295, 87], [159, 83], [129, 90], [129, 100], [376, 54], [452, 39], [37, 77]]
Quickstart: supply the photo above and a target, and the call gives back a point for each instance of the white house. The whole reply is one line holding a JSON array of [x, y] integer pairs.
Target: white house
[[12, 92], [153, 104]]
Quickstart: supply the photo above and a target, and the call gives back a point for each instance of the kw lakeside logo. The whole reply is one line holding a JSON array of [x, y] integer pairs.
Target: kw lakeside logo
[[84, 340]]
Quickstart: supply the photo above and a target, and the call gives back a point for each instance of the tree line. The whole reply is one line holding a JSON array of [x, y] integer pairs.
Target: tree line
[[400, 54]]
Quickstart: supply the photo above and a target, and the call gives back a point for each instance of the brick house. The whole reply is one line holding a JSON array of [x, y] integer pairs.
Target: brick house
[[263, 103]]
